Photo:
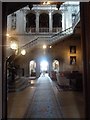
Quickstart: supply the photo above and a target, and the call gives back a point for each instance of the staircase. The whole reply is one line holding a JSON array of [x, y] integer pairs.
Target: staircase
[[21, 83], [54, 38], [18, 84]]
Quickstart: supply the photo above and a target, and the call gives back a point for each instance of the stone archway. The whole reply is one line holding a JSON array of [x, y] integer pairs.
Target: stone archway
[[32, 68], [55, 65]]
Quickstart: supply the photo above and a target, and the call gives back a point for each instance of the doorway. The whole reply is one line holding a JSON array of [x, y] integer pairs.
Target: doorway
[[44, 67], [55, 65], [32, 68]]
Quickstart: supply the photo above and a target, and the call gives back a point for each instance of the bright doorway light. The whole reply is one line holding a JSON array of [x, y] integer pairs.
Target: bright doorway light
[[44, 65]]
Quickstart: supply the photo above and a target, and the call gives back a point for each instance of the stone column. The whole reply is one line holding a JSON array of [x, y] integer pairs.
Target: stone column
[[19, 22], [37, 21], [63, 20], [24, 21], [37, 67], [26, 68], [69, 18], [50, 66], [50, 21]]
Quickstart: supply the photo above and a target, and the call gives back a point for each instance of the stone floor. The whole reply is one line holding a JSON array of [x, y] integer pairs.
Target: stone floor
[[43, 100]]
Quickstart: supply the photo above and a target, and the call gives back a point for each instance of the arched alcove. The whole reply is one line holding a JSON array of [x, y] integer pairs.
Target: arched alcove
[[44, 21], [57, 21], [32, 68], [30, 22], [55, 65]]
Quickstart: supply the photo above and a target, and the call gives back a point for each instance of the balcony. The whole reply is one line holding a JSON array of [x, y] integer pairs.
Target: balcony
[[43, 30]]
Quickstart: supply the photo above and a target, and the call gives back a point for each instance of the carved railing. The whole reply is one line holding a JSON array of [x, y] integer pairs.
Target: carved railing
[[60, 35], [43, 30], [48, 39]]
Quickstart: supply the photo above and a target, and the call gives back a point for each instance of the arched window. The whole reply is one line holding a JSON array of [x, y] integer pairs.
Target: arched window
[[44, 20], [30, 22], [57, 20], [55, 65], [32, 68]]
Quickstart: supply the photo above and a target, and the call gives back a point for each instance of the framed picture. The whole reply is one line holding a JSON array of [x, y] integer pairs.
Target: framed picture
[[72, 49], [72, 60]]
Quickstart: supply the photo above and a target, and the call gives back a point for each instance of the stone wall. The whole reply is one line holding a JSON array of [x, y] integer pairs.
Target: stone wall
[[61, 50]]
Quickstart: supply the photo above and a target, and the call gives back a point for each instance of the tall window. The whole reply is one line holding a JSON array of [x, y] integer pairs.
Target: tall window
[[44, 20], [57, 20], [13, 21], [30, 22]]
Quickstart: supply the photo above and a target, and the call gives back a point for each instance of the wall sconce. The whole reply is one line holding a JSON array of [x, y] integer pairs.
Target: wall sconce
[[8, 35], [50, 46], [13, 45]]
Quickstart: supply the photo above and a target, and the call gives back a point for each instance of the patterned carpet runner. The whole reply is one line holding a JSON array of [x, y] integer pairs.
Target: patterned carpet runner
[[44, 103]]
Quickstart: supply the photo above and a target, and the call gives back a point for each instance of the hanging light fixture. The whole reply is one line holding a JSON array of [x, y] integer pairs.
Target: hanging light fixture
[[44, 46], [50, 46], [23, 52], [13, 43]]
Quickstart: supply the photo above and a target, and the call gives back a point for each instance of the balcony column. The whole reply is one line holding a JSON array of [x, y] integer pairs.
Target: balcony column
[[50, 21], [63, 20], [37, 67], [24, 21], [69, 18], [25, 12], [37, 21]]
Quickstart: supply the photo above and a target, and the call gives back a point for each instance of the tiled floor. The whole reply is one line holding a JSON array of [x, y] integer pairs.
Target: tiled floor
[[43, 100]]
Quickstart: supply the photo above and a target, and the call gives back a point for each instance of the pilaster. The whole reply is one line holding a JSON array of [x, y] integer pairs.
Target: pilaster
[[37, 21], [50, 21]]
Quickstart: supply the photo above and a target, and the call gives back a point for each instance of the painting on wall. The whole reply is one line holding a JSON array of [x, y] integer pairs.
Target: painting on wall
[[72, 49], [72, 60]]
